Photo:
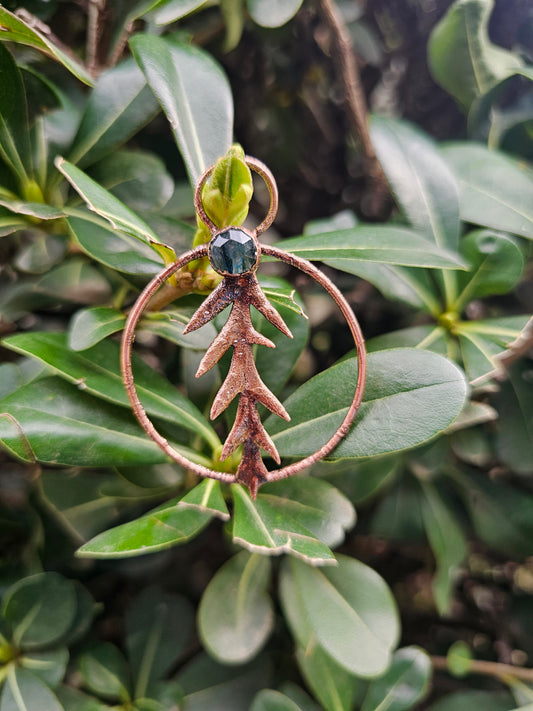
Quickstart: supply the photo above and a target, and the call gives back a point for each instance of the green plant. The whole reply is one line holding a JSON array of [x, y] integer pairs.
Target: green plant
[[87, 218]]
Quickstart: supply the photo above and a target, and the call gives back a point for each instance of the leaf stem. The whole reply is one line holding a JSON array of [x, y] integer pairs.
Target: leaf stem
[[505, 672]]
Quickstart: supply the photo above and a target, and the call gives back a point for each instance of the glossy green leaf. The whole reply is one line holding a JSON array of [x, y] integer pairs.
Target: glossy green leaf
[[228, 190], [97, 372], [514, 434], [138, 178], [462, 58], [194, 94], [104, 672], [158, 627], [85, 612], [271, 700], [422, 183], [106, 205], [315, 504], [387, 244], [40, 609], [264, 528], [23, 691], [352, 613], [110, 247], [119, 105], [49, 666], [75, 281], [43, 252], [10, 222], [161, 528], [52, 422], [13, 29], [169, 324], [405, 682], [332, 685], [167, 11], [410, 396], [235, 617], [32, 209], [207, 497], [430, 337], [90, 326], [75, 700], [361, 480], [495, 190], [208, 685], [474, 701], [14, 130], [496, 263], [447, 542], [273, 13]]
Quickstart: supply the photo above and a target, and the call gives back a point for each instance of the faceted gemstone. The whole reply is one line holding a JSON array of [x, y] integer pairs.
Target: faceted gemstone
[[233, 252]]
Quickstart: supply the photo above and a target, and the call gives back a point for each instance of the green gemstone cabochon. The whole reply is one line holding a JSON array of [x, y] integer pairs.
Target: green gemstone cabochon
[[233, 251]]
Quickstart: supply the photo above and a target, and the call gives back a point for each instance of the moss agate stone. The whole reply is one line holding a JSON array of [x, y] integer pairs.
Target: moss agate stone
[[233, 251]]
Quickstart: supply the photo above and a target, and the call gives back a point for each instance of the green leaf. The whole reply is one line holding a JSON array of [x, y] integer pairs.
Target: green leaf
[[447, 542], [386, 244], [235, 617], [23, 691], [53, 422], [474, 701], [194, 94], [494, 190], [49, 666], [351, 611], [14, 130], [12, 29], [167, 11], [358, 481], [115, 249], [410, 396], [273, 13], [459, 659], [106, 205], [208, 685], [234, 17], [10, 222], [332, 685], [90, 326], [96, 371], [496, 263], [207, 497], [158, 627], [315, 504], [161, 528], [405, 682], [74, 700], [104, 671], [430, 337], [271, 700], [514, 433], [138, 178], [32, 209], [41, 254], [462, 58], [169, 324], [75, 281], [119, 105], [40, 609], [228, 190], [263, 528], [422, 183]]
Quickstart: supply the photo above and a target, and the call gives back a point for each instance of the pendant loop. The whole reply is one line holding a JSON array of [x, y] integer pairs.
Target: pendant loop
[[258, 167]]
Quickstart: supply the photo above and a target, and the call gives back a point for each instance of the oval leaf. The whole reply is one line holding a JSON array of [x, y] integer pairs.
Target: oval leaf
[[90, 326], [405, 682], [273, 13], [410, 396], [104, 671], [352, 613], [23, 691], [194, 94], [235, 616], [270, 700]]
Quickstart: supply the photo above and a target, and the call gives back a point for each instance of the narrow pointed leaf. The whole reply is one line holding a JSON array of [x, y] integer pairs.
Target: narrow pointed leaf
[[32, 209], [13, 29], [90, 326], [119, 105], [96, 371], [206, 497], [410, 396], [194, 94], [352, 613], [14, 129], [495, 190], [264, 528], [385, 244], [235, 616], [422, 183]]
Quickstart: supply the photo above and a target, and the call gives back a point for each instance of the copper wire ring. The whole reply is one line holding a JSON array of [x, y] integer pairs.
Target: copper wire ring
[[297, 262]]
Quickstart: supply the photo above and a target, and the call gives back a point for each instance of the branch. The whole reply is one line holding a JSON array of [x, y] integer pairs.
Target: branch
[[504, 672]]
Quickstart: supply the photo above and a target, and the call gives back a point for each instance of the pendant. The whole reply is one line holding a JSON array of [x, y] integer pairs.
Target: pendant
[[235, 253]]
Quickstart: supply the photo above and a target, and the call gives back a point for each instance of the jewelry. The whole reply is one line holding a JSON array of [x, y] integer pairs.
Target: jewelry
[[235, 253]]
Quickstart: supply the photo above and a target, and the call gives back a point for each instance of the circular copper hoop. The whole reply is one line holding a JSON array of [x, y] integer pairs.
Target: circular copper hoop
[[258, 167], [127, 374]]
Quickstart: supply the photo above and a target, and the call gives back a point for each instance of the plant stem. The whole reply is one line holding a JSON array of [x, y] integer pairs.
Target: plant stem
[[355, 98], [504, 672], [93, 31]]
